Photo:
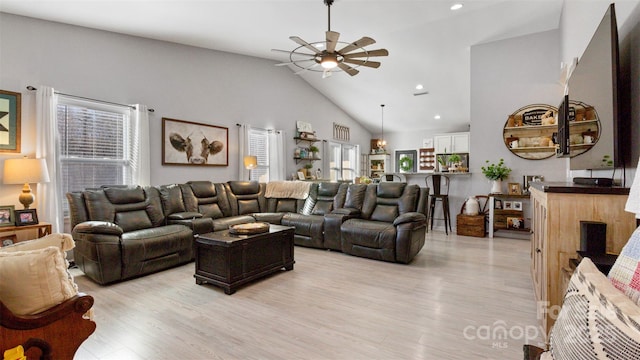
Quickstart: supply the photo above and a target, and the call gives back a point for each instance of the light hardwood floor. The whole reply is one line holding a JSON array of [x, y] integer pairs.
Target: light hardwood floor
[[454, 301]]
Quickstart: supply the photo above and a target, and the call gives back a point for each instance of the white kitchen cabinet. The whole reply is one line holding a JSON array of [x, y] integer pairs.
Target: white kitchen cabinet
[[451, 143]]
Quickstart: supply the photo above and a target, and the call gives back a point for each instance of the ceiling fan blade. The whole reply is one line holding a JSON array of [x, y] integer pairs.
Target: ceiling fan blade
[[299, 41], [372, 53], [372, 64], [332, 40], [357, 44], [292, 52], [348, 69], [305, 69], [294, 62]]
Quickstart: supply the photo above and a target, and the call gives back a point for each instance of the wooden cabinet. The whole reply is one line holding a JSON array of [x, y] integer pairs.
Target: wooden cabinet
[[23, 233], [451, 143], [556, 237], [378, 165]]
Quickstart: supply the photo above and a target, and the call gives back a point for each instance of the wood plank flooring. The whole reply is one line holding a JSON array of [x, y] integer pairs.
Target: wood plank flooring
[[454, 301]]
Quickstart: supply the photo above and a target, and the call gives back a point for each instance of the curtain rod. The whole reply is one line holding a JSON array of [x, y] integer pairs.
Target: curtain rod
[[31, 88]]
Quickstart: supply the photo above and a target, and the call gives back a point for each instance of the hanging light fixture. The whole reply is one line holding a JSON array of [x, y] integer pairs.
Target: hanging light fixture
[[381, 142]]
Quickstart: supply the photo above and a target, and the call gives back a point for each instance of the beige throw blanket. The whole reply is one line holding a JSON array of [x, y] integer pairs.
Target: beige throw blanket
[[287, 189]]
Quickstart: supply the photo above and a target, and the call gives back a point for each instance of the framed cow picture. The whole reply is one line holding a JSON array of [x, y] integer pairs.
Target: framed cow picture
[[191, 143]]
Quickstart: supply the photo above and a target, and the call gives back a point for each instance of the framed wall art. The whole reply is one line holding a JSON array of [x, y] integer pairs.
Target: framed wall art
[[7, 217], [10, 107], [191, 143], [26, 217]]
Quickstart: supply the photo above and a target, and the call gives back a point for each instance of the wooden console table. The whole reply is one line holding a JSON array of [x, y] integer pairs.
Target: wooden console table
[[23, 233], [558, 209]]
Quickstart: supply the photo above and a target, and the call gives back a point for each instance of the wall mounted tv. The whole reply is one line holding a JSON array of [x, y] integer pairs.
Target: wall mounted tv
[[595, 139]]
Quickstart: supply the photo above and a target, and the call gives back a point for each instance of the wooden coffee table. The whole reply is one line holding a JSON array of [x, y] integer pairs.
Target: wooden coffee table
[[229, 260]]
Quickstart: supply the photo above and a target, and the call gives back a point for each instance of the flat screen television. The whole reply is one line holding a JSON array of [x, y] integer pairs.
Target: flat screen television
[[596, 139], [562, 136]]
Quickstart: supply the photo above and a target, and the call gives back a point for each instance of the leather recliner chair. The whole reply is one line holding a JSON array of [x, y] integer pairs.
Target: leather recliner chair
[[390, 226]]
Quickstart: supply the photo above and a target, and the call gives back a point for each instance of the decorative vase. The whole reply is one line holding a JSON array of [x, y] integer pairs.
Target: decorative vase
[[496, 187], [472, 206]]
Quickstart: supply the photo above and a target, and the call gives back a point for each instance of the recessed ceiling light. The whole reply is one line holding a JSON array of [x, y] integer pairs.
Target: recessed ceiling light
[[456, 6], [419, 87], [437, 117]]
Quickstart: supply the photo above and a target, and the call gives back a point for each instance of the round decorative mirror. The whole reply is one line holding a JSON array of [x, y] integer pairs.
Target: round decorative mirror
[[531, 131]]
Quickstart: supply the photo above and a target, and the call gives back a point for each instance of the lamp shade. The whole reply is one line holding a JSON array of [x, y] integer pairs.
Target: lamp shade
[[250, 162], [633, 201], [25, 171]]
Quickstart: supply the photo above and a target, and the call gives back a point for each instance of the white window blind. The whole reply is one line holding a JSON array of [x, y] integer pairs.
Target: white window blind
[[95, 145], [259, 147], [343, 161]]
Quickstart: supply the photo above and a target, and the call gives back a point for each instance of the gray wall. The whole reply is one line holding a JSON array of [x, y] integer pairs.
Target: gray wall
[[178, 81]]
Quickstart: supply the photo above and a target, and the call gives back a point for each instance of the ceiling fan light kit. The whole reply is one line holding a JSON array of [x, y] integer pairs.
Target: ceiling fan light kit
[[331, 59]]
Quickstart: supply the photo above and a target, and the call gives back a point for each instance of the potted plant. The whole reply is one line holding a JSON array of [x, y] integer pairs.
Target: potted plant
[[455, 161], [314, 151], [307, 167], [496, 173], [443, 164]]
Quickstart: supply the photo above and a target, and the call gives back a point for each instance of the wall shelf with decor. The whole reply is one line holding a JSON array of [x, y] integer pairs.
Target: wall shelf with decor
[[306, 153], [298, 159], [308, 140], [427, 159]]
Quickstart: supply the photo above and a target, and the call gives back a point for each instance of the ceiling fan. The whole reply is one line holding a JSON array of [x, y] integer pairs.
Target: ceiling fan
[[325, 55]]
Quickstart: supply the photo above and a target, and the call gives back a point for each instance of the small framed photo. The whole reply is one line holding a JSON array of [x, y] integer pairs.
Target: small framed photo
[[508, 205], [517, 205], [301, 175], [497, 204], [26, 217], [515, 223], [7, 216], [515, 189]]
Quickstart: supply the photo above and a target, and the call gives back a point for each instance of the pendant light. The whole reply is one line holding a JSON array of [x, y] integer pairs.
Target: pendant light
[[381, 142]]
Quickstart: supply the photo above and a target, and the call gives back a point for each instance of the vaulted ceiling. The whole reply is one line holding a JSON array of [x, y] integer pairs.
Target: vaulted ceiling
[[428, 43]]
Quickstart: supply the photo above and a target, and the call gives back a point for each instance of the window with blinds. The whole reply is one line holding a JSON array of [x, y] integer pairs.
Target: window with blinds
[[259, 147], [343, 161], [94, 145]]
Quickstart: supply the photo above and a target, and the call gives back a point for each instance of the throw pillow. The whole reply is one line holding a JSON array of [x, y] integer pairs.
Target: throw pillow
[[625, 273], [596, 320], [62, 241], [35, 280]]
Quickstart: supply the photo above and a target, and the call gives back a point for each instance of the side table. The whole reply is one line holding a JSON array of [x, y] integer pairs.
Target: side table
[[23, 233]]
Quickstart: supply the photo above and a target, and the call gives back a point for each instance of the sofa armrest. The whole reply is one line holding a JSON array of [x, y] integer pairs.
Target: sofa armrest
[[199, 225], [187, 215], [98, 227], [409, 217], [271, 218], [353, 212]]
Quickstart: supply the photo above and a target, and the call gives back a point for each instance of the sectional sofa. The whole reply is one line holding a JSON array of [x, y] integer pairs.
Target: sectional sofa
[[125, 232]]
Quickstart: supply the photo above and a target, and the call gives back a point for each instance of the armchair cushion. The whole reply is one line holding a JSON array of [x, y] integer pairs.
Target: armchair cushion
[[33, 281], [596, 321]]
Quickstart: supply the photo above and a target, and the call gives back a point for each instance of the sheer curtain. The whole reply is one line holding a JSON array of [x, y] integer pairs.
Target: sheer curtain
[[276, 155], [243, 149], [49, 195], [140, 153]]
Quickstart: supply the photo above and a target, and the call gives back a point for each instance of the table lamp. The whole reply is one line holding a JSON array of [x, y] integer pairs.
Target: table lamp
[[250, 162], [633, 201], [25, 171]]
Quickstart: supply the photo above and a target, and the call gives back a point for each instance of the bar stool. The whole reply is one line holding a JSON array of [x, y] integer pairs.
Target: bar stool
[[440, 186]]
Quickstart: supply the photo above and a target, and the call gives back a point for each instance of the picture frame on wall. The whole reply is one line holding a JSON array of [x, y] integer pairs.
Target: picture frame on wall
[[7, 216], [26, 217], [191, 143], [10, 119]]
